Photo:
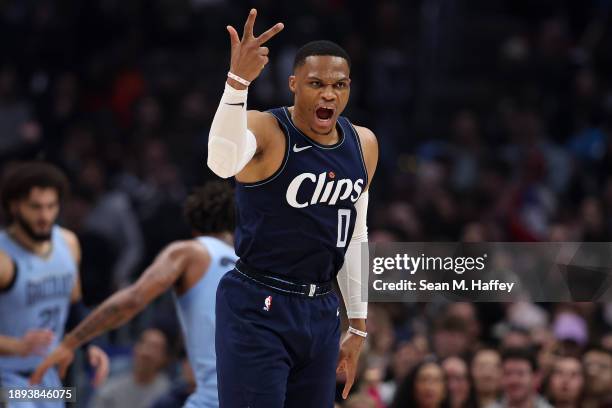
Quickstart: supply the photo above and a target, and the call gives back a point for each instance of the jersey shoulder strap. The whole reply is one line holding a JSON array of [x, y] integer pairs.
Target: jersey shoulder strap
[[281, 117]]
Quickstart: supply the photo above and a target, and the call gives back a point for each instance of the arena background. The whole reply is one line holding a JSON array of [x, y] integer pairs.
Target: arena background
[[494, 120]]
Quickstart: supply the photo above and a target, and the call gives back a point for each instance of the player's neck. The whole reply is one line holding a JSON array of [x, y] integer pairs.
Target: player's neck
[[302, 125], [40, 248]]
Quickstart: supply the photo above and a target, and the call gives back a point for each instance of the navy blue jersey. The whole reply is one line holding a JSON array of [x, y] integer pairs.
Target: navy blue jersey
[[299, 221]]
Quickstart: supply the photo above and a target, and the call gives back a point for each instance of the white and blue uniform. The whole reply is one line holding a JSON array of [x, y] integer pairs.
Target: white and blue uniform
[[196, 312], [278, 328], [37, 298]]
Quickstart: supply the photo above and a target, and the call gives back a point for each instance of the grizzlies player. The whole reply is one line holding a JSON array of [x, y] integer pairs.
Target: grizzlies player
[[193, 269], [302, 175], [39, 281]]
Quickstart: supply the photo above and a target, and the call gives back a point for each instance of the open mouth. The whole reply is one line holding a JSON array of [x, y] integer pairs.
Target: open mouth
[[324, 115]]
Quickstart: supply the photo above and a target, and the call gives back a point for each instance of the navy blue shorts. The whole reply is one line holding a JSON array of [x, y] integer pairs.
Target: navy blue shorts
[[277, 353]]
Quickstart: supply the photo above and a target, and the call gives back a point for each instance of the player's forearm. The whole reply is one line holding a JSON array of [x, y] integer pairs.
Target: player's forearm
[[350, 282], [113, 313], [9, 346], [359, 324], [236, 85], [230, 144]]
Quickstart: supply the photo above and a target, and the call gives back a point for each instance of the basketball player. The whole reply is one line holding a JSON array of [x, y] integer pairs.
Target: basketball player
[[39, 280], [193, 269], [302, 177]]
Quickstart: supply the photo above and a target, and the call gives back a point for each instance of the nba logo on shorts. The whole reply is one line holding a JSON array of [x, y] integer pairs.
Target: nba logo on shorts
[[267, 304]]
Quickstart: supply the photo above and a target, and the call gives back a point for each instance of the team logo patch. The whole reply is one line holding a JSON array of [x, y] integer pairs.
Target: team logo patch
[[267, 304]]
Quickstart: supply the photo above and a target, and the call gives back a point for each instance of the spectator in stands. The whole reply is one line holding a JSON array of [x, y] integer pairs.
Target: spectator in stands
[[516, 338], [146, 382], [424, 387], [181, 389], [520, 380], [469, 313], [458, 379], [450, 337], [486, 375], [566, 383], [597, 363], [406, 356]]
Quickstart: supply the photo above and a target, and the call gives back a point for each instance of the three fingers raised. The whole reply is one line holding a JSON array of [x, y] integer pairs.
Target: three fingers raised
[[248, 31]]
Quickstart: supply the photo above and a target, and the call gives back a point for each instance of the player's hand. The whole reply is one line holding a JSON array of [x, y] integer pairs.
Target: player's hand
[[35, 342], [348, 359], [249, 56], [99, 360], [61, 357]]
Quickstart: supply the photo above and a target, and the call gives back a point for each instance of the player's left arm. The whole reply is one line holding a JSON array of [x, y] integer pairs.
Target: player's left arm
[[369, 146], [350, 278], [78, 311]]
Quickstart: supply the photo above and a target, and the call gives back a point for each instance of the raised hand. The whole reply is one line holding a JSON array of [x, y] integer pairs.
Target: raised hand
[[249, 56]]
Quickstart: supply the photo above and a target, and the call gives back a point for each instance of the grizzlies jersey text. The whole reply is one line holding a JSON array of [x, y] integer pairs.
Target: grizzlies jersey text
[[299, 221], [39, 297]]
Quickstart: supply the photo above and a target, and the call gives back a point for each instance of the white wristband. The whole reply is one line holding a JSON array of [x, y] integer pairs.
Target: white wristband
[[238, 79], [357, 332]]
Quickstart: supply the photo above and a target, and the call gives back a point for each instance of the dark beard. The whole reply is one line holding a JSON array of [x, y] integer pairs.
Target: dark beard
[[23, 224]]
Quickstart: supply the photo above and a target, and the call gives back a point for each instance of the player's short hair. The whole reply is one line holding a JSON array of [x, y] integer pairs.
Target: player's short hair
[[523, 354], [321, 47], [20, 179], [210, 208]]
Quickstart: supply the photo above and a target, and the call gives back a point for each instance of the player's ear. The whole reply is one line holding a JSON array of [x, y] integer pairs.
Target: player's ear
[[292, 84]]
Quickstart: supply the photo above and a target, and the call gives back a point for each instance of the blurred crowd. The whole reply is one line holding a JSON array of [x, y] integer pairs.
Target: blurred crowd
[[465, 355], [494, 119]]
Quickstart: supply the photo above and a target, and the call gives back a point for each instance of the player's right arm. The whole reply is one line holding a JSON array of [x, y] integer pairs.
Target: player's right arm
[[161, 275], [236, 136], [34, 341]]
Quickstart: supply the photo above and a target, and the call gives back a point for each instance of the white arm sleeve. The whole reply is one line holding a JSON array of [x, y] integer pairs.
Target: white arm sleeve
[[230, 144], [349, 276]]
